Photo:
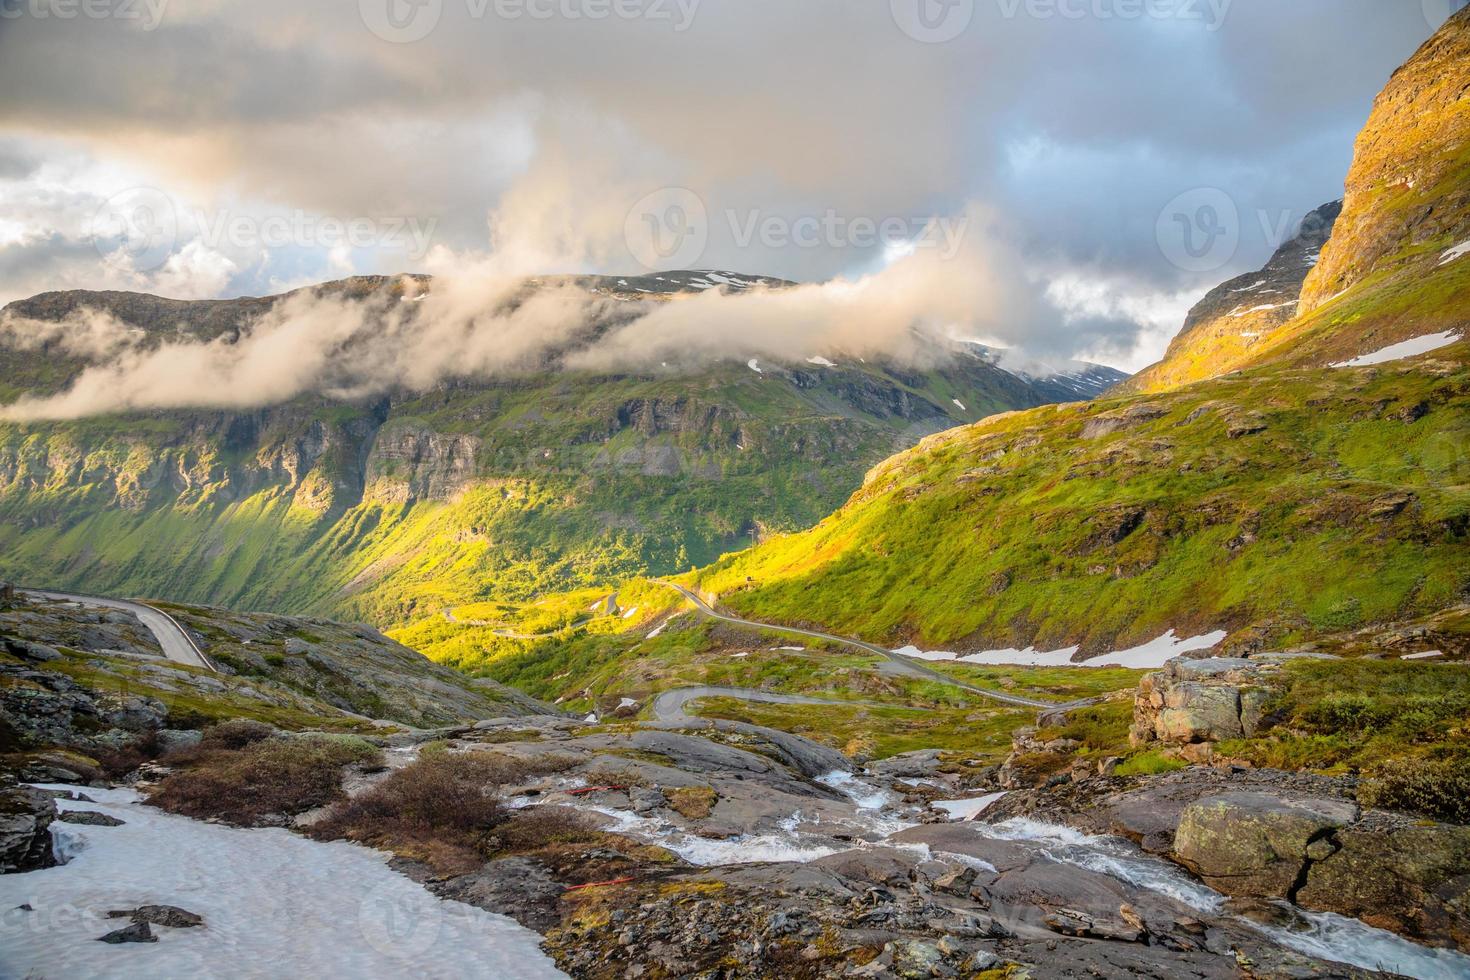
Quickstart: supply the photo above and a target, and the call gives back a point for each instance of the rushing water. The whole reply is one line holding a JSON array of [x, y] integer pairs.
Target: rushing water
[[1322, 934]]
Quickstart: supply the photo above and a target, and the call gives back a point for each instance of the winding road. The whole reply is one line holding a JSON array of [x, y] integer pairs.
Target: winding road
[[904, 665], [669, 706], [177, 645]]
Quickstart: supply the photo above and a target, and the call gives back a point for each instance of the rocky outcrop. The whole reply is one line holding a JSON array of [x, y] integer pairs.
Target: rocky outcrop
[[410, 462], [1268, 835], [1397, 873], [1258, 844], [1408, 182], [1191, 704], [1241, 315], [25, 830]]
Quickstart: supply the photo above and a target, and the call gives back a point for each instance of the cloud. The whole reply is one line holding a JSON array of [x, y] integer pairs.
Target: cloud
[[479, 319], [1076, 131]]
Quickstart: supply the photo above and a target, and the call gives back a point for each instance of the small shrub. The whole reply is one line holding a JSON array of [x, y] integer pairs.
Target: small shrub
[[537, 826], [235, 734], [439, 809], [276, 776], [693, 802], [1149, 764], [1438, 788]]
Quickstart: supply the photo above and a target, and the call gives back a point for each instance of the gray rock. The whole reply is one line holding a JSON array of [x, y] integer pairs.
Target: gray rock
[[160, 915], [25, 834], [89, 818], [1257, 844], [521, 888], [1194, 702], [138, 932], [173, 739]]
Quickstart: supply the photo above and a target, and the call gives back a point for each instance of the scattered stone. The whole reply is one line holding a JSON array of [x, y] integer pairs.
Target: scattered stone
[[160, 915], [89, 818], [138, 932], [173, 739]]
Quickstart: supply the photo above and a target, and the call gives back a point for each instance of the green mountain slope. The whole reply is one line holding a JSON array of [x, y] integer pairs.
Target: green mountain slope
[[1283, 500], [1277, 504], [1392, 269], [415, 501]]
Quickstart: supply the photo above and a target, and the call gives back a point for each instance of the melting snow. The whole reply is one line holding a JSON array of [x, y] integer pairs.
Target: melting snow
[[960, 404], [1427, 655], [1407, 348], [656, 631], [1458, 251], [274, 904], [820, 362], [1247, 289], [631, 613], [967, 809], [755, 365], [1238, 313], [1153, 654]]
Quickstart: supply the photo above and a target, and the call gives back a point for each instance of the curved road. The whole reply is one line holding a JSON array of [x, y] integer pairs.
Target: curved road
[[669, 706], [906, 665], [177, 645]]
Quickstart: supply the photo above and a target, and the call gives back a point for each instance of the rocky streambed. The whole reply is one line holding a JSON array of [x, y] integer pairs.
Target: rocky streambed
[[691, 849], [775, 872]]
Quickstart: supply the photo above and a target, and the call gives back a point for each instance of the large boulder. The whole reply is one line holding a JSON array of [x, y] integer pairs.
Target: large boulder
[[1258, 844], [25, 830], [1199, 702], [1397, 873]]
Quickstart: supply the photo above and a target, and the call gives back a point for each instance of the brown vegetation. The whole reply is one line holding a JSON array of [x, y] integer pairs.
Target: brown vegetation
[[263, 780]]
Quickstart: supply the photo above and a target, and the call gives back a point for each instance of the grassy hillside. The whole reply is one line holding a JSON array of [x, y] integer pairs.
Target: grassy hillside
[[492, 490], [1392, 268], [1277, 504]]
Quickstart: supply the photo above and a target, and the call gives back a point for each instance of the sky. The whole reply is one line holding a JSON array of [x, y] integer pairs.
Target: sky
[[1071, 174]]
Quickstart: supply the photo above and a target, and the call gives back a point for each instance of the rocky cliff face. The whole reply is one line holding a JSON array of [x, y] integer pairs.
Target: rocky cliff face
[[1388, 268], [1408, 191], [1239, 316]]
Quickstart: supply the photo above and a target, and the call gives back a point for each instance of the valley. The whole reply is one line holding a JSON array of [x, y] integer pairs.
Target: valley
[[708, 624]]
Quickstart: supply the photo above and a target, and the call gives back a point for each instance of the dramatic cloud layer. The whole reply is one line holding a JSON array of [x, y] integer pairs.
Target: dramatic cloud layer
[[1074, 121], [479, 320]]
